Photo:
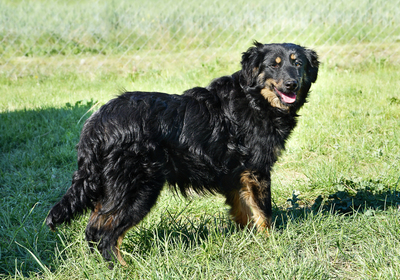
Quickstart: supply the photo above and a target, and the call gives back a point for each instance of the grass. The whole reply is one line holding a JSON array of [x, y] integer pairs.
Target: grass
[[82, 34], [335, 189]]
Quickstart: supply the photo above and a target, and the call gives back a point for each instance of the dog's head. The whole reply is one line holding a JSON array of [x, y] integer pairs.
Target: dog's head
[[281, 73]]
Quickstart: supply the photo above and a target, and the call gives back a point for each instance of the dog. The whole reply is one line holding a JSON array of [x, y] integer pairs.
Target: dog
[[223, 138]]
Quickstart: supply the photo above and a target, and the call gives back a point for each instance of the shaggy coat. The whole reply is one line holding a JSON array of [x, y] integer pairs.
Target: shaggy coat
[[224, 138]]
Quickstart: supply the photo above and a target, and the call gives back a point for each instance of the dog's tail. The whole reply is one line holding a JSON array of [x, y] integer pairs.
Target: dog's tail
[[85, 188]]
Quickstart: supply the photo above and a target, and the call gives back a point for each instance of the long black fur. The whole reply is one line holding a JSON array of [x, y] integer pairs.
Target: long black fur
[[223, 138]]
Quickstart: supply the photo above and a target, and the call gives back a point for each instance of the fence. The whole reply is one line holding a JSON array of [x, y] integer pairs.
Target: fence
[[120, 35]]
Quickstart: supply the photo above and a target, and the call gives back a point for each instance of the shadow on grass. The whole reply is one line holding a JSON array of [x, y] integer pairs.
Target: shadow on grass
[[37, 156], [179, 231], [362, 197]]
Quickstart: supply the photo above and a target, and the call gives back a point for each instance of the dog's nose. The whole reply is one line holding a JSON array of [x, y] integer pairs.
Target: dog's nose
[[291, 85]]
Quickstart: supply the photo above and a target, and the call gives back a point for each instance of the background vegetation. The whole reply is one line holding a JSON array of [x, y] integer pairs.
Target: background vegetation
[[335, 189]]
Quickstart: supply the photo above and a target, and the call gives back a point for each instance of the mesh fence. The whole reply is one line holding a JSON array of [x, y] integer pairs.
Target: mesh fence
[[121, 35]]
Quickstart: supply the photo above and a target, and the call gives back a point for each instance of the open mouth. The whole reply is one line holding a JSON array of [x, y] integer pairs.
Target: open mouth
[[287, 97]]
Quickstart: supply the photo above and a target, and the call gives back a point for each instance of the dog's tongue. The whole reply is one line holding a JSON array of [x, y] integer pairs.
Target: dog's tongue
[[287, 97]]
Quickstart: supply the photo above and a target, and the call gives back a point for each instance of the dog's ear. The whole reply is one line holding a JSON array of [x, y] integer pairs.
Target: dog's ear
[[251, 62], [312, 69]]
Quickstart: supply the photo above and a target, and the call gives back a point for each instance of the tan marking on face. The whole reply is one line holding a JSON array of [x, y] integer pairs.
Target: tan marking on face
[[270, 95], [261, 78], [293, 56], [278, 60], [255, 71]]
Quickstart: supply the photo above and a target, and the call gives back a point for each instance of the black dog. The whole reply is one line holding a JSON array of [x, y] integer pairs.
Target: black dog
[[223, 139]]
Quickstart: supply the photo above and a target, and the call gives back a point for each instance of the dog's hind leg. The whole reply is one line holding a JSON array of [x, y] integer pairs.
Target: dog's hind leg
[[76, 200], [116, 214], [85, 189]]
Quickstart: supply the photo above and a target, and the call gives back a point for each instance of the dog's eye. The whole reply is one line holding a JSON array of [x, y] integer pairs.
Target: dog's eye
[[275, 65], [297, 63]]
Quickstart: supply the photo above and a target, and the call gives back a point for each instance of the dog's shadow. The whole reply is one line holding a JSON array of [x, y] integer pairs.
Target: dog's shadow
[[183, 231]]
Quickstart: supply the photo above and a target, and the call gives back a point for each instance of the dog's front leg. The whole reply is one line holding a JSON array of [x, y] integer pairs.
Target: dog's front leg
[[256, 192]]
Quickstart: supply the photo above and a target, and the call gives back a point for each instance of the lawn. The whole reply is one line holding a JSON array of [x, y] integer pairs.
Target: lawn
[[335, 189]]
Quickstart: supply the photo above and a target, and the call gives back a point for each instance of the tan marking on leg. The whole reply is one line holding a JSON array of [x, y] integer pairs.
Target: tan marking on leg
[[249, 181], [94, 216], [240, 211], [99, 220], [119, 256], [107, 222]]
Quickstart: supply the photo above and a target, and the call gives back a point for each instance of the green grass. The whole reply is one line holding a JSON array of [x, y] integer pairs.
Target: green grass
[[90, 27], [335, 189], [88, 34]]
